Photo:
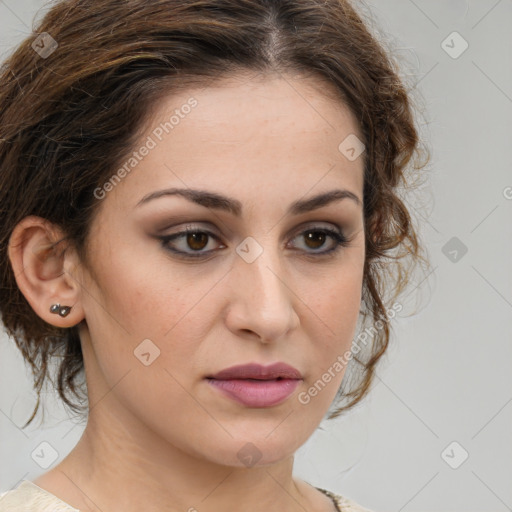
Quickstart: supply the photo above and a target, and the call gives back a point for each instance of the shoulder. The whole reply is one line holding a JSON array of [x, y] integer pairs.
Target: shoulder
[[344, 504], [29, 496]]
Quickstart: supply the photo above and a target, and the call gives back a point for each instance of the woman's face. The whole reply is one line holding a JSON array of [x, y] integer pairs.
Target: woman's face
[[263, 280]]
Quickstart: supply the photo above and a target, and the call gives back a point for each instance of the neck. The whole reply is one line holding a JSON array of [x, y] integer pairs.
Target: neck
[[116, 468]]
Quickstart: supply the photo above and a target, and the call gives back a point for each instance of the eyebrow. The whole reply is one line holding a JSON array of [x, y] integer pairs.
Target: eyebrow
[[220, 202]]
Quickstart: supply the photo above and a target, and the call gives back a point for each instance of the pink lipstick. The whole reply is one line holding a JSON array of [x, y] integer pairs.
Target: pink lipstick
[[255, 385]]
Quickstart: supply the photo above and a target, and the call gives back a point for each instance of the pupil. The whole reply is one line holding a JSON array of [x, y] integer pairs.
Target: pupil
[[193, 239], [319, 235]]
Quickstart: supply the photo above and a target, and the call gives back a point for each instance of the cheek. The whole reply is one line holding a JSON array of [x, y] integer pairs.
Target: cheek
[[334, 314], [143, 337], [166, 306], [139, 294], [338, 300]]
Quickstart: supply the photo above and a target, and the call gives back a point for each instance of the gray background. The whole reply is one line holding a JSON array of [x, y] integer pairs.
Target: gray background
[[446, 378]]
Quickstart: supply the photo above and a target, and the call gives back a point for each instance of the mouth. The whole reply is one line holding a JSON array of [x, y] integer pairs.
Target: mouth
[[254, 385], [256, 392], [255, 371]]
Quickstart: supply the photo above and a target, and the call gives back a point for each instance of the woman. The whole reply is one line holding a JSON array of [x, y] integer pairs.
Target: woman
[[199, 200]]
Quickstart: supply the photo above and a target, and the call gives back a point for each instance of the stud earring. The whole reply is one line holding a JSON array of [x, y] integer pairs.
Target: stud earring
[[61, 310]]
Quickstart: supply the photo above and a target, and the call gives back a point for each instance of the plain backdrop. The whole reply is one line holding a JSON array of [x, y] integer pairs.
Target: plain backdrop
[[434, 433]]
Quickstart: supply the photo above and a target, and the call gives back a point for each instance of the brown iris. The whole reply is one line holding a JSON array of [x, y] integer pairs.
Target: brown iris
[[197, 241], [315, 237]]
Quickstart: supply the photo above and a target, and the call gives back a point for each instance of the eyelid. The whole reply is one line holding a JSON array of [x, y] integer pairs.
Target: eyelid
[[307, 226]]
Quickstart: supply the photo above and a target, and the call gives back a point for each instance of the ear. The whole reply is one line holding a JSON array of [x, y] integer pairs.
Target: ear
[[46, 275]]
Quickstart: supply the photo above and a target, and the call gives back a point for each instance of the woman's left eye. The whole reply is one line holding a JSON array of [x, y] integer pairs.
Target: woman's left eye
[[315, 238], [198, 240]]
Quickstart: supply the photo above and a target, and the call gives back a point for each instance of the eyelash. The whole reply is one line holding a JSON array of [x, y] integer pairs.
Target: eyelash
[[339, 241]]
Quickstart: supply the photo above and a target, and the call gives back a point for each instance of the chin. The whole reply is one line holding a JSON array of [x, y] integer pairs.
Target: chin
[[254, 451]]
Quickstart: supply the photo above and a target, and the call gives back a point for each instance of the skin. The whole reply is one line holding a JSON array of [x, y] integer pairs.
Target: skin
[[158, 437]]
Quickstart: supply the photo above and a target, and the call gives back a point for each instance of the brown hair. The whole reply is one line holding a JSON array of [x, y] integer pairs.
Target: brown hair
[[68, 119]]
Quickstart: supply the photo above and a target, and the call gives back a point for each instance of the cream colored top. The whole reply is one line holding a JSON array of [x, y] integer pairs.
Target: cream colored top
[[28, 497]]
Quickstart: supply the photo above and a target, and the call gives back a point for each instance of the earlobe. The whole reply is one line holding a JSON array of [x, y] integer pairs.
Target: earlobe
[[42, 263], [60, 310]]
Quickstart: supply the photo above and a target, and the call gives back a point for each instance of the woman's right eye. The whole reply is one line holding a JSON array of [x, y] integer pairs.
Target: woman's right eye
[[195, 239]]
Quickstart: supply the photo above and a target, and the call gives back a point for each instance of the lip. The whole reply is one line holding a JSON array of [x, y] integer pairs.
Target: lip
[[255, 385], [257, 371]]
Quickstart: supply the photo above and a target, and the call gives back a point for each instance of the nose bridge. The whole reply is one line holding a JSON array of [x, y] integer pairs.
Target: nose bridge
[[260, 271], [264, 296]]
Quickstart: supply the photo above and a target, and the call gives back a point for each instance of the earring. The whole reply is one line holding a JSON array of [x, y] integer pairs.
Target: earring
[[61, 310]]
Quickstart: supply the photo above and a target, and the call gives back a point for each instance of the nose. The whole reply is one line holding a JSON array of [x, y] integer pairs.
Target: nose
[[262, 302]]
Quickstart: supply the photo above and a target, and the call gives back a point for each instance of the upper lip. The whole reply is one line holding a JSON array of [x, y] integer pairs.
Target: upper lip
[[257, 371]]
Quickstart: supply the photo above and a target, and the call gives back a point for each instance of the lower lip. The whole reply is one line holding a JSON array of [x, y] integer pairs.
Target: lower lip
[[256, 393]]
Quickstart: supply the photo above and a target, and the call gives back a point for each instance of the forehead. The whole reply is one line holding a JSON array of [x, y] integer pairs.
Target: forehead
[[256, 101], [276, 131]]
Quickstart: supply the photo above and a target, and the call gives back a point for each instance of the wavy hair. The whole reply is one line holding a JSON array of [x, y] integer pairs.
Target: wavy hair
[[68, 118]]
